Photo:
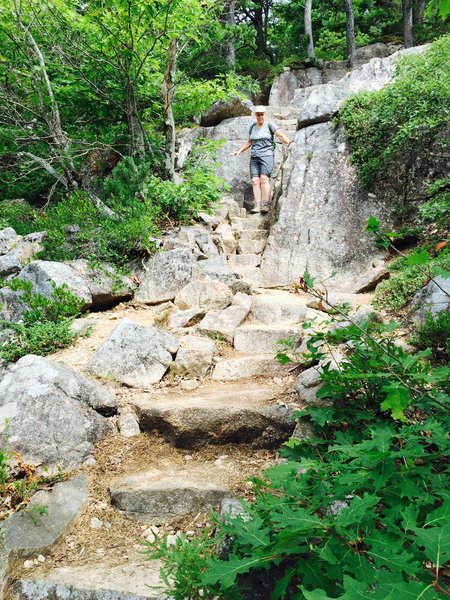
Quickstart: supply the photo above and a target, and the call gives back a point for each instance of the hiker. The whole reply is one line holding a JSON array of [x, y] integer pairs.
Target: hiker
[[260, 140]]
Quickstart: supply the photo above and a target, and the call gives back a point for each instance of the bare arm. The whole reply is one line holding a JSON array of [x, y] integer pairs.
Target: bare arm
[[246, 146], [282, 137]]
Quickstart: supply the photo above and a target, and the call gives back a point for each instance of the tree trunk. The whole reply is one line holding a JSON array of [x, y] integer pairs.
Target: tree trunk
[[420, 11], [349, 27], [168, 93], [230, 54], [48, 107], [138, 143], [407, 7], [308, 29], [259, 26]]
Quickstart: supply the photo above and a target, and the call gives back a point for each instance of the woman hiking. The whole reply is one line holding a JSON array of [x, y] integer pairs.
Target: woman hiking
[[260, 140]]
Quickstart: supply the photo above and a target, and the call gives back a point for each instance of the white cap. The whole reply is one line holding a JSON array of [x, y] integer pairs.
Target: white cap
[[259, 109]]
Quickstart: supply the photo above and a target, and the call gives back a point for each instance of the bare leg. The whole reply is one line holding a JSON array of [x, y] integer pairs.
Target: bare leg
[[265, 189], [256, 185]]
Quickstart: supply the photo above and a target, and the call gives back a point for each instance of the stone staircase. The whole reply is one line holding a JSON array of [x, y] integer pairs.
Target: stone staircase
[[211, 431]]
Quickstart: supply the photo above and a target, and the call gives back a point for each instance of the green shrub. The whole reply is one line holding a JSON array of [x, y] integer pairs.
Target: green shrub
[[435, 334], [18, 215], [394, 293], [437, 210], [382, 125], [359, 510], [140, 201], [46, 323]]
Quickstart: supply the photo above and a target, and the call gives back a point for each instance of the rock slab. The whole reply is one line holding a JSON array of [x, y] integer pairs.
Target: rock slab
[[23, 536], [241, 413], [158, 499], [99, 582]]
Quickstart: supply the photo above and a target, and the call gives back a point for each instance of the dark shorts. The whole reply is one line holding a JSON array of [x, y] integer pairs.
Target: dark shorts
[[261, 165]]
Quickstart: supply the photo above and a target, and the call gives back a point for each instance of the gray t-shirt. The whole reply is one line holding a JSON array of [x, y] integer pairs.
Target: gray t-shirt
[[262, 138]]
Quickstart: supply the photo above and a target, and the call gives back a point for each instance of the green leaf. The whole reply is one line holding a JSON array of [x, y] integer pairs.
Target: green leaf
[[441, 272], [436, 541], [372, 224], [409, 517], [308, 280], [419, 257], [321, 415], [444, 9], [298, 519], [251, 532], [440, 515], [283, 358], [226, 571], [358, 511], [397, 399]]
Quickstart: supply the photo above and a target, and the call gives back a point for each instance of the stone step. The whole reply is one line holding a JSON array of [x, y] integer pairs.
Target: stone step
[[246, 367], [256, 221], [254, 234], [89, 582], [251, 246], [250, 413], [156, 497], [280, 307], [258, 339], [244, 261]]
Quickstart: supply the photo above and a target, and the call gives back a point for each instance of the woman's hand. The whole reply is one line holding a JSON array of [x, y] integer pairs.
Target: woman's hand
[[235, 153]]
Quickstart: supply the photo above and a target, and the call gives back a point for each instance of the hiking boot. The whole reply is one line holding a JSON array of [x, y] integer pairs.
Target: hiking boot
[[256, 209], [265, 208]]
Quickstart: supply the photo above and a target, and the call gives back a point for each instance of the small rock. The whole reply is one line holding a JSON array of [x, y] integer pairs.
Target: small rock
[[107, 524], [188, 457], [95, 523], [41, 558], [115, 460], [102, 505], [128, 424], [90, 462], [277, 381], [189, 385], [172, 538], [28, 564]]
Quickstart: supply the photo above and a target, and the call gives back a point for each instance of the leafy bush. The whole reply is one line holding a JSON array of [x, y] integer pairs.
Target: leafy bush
[[435, 334], [18, 215], [360, 510], [394, 293], [46, 323], [412, 271], [437, 210], [382, 125]]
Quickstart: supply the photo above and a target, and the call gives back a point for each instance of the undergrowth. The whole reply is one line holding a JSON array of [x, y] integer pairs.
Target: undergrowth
[[46, 322], [142, 204], [382, 125]]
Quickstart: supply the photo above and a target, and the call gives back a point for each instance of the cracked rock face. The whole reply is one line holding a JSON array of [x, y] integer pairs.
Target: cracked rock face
[[53, 412], [321, 215]]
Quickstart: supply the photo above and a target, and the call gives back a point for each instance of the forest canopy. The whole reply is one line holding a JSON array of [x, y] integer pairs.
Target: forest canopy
[[84, 85]]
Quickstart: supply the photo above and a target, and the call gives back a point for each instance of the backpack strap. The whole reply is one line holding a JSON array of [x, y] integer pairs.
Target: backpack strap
[[272, 128]]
